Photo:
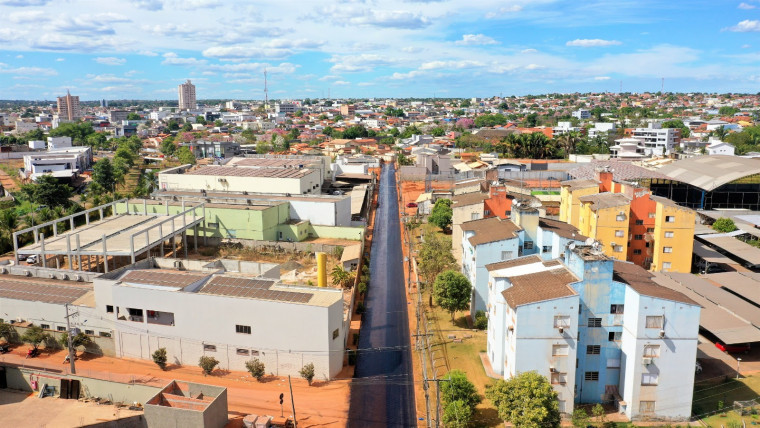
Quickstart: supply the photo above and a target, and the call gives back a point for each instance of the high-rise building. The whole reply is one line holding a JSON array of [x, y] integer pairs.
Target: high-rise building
[[187, 96], [68, 107]]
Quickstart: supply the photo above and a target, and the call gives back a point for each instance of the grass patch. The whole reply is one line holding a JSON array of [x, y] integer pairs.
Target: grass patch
[[544, 192], [727, 390]]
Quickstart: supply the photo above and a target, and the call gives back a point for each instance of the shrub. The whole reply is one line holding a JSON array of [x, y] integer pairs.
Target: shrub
[[256, 368], [481, 321], [351, 357], [159, 357], [360, 308], [724, 225], [362, 288], [207, 364], [307, 372]]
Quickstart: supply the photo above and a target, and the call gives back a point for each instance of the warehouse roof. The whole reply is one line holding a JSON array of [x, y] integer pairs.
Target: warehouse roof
[[621, 170], [710, 172], [708, 254], [231, 171], [744, 285]]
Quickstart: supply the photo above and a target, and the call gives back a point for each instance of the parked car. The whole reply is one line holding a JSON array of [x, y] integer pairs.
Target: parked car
[[31, 260], [411, 205], [734, 348]]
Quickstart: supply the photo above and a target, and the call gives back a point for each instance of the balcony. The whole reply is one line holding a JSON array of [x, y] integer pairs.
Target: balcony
[[160, 318]]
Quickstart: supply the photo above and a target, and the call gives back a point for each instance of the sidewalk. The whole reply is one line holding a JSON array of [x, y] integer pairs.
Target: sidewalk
[[322, 404]]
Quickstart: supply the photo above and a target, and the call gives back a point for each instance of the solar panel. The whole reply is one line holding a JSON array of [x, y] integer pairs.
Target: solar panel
[[251, 289]]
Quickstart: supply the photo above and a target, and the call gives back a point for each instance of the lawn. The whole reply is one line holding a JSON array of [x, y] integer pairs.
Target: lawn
[[708, 396]]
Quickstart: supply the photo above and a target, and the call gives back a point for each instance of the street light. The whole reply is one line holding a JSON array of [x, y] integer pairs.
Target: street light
[[738, 364]]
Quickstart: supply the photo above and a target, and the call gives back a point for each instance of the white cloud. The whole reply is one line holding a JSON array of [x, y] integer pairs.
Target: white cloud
[[746, 26], [198, 4], [504, 11], [19, 56], [33, 71], [457, 64], [358, 63], [534, 67], [591, 43], [746, 6], [476, 40], [746, 46], [365, 84], [172, 59], [23, 3], [406, 76], [110, 60], [241, 51], [602, 78], [147, 53], [528, 51], [26, 16], [341, 83], [148, 4], [60, 59], [412, 49], [351, 15]]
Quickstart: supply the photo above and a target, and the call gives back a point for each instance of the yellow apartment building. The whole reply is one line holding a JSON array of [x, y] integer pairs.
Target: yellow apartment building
[[570, 192], [604, 217], [673, 236]]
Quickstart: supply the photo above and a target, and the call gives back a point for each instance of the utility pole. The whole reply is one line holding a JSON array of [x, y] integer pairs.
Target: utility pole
[[68, 330], [292, 403]]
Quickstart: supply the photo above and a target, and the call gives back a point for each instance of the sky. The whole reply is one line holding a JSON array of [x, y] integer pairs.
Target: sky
[[142, 49]]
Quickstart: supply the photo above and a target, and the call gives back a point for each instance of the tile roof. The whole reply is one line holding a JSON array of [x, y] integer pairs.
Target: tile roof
[[605, 200], [540, 286], [580, 183], [490, 229], [39, 290], [621, 170], [561, 228], [641, 281], [521, 261], [468, 199]]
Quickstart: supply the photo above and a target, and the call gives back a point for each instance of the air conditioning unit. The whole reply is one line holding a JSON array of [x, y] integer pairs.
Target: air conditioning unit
[[561, 330], [662, 333], [552, 369], [646, 361]]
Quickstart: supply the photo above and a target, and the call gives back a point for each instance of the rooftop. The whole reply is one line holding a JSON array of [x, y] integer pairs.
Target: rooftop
[[561, 228], [640, 280], [540, 286], [468, 199], [711, 172], [621, 170], [491, 229], [601, 201], [272, 162], [231, 171], [580, 184], [42, 290]]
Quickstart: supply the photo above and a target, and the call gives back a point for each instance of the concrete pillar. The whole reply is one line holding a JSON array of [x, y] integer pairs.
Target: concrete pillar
[[15, 248], [184, 242], [145, 207], [71, 223], [68, 251], [55, 229], [132, 248], [195, 238], [79, 254], [105, 254], [161, 232], [167, 207], [174, 246], [101, 213], [205, 233], [42, 249], [87, 217]]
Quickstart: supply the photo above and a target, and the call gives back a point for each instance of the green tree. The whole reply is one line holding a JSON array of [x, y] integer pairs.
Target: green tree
[[293, 134], [77, 131], [207, 364], [452, 291], [167, 147], [437, 132], [459, 388], [341, 277], [97, 141], [125, 153], [724, 225], [256, 368], [79, 340], [599, 415], [457, 414], [728, 111], [159, 357], [173, 125], [441, 214], [307, 372], [7, 331], [580, 418], [721, 132], [490, 120], [34, 335], [434, 256], [526, 400], [35, 134], [46, 190], [185, 156], [685, 131], [103, 176], [356, 131], [531, 120], [133, 116], [187, 127]]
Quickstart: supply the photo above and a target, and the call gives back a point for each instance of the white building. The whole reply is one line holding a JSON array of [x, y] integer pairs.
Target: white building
[[602, 129], [656, 140], [55, 143], [64, 162], [581, 114], [628, 148], [186, 95], [286, 107], [232, 318], [600, 330], [717, 147]]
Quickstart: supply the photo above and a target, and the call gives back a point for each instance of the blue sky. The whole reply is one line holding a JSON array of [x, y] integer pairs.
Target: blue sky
[[142, 49]]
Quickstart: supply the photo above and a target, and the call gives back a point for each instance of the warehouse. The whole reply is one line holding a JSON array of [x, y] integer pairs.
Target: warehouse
[[282, 181]]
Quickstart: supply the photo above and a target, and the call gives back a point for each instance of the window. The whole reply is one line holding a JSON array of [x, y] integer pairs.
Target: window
[[244, 329], [665, 265], [241, 351], [210, 225], [507, 255], [615, 336], [336, 333], [670, 219], [562, 321], [593, 349], [528, 245], [486, 212], [135, 312], [211, 348], [560, 350], [109, 309], [45, 326], [646, 407], [638, 237], [105, 334], [654, 321], [594, 322], [561, 406], [61, 328], [90, 332], [669, 234], [651, 351], [639, 222], [613, 363], [591, 376], [620, 217], [636, 252], [617, 248], [667, 249], [617, 309], [649, 378], [474, 216], [619, 233], [650, 229], [648, 244], [652, 215], [559, 378]]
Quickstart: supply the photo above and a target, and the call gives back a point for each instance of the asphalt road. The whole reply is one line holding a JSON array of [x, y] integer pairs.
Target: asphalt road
[[382, 392]]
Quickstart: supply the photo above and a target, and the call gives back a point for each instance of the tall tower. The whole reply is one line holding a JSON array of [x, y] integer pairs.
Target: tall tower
[[68, 106], [266, 91], [187, 96]]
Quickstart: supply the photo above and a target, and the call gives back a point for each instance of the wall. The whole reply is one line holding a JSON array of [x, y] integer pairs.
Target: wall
[[483, 255], [682, 242], [461, 214], [277, 185], [641, 206]]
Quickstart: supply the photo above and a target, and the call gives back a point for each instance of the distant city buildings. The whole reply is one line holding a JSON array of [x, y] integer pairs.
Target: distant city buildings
[[186, 93], [68, 107]]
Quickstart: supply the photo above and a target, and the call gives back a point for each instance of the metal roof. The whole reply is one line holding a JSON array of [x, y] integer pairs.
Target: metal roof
[[734, 247], [251, 289], [162, 279], [710, 172], [725, 325], [40, 291], [739, 283], [708, 254], [231, 171]]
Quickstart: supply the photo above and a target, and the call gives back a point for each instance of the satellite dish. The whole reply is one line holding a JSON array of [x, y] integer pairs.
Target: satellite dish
[[590, 241], [571, 246]]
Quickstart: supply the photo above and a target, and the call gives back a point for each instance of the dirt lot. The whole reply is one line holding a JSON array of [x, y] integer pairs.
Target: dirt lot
[[20, 409]]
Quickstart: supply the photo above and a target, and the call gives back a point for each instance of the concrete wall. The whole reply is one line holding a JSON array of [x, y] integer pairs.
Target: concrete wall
[[20, 379], [310, 183]]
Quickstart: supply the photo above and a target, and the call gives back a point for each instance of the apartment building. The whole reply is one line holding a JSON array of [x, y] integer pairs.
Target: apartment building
[[656, 140], [348, 110], [629, 222], [581, 114], [600, 330], [68, 107], [186, 95]]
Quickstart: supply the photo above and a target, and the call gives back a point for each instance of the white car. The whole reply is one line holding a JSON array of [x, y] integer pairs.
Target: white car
[[31, 260]]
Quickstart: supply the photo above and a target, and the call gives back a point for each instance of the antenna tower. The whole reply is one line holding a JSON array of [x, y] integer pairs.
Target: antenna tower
[[266, 91], [662, 86]]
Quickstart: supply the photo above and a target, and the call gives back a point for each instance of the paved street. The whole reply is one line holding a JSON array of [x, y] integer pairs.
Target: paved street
[[382, 394]]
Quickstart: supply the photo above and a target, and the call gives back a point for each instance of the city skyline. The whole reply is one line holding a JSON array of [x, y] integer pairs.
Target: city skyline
[[142, 49]]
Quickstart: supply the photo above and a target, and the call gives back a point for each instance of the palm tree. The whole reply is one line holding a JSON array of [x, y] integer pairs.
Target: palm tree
[[341, 277], [720, 132]]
